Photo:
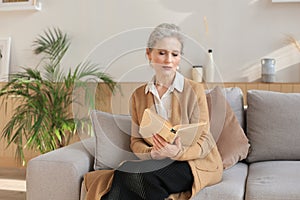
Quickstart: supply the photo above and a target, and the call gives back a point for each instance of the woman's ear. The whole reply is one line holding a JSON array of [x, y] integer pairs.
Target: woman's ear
[[148, 53]]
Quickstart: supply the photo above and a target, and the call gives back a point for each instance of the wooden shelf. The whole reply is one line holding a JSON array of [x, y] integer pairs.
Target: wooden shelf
[[18, 6]]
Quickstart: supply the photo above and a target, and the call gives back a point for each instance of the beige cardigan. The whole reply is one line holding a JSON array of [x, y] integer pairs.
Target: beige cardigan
[[189, 106]]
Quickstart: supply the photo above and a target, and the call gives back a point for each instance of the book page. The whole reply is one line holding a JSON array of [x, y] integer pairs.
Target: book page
[[188, 133]]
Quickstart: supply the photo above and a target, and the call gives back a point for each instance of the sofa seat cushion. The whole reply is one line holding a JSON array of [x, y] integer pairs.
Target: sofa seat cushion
[[274, 180], [231, 187]]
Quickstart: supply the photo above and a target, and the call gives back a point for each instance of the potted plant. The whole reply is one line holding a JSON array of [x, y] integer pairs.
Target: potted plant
[[43, 120]]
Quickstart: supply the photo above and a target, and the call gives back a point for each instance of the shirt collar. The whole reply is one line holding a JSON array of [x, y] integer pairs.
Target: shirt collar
[[178, 83]]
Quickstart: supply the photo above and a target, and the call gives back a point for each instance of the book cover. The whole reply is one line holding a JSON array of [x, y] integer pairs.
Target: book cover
[[153, 123]]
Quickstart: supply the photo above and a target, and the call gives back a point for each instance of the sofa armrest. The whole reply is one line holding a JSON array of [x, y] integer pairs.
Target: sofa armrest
[[59, 173]]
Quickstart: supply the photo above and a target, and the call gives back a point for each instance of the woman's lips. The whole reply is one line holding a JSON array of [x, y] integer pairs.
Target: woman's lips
[[167, 67]]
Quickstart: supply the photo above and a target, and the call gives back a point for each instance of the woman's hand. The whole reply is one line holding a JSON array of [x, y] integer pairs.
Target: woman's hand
[[162, 149]]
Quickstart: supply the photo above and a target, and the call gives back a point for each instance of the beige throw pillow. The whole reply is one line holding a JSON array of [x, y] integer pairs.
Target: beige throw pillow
[[231, 140]]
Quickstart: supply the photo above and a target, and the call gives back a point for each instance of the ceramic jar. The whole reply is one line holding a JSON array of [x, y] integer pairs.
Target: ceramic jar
[[268, 70]]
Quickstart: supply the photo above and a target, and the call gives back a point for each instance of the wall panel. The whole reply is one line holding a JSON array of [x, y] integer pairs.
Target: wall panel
[[118, 103]]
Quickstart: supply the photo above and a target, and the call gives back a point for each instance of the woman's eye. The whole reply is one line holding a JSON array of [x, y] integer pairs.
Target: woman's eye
[[174, 54]]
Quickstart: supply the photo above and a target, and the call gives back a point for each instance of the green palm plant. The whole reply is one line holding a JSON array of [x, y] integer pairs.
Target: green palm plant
[[43, 120]]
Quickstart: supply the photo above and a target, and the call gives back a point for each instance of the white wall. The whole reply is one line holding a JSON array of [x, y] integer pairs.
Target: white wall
[[113, 33]]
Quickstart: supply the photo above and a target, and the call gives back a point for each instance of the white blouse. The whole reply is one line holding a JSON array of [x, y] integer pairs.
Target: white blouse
[[163, 105]]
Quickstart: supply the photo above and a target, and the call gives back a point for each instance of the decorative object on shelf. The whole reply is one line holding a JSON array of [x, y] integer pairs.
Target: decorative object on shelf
[[209, 69], [42, 119], [268, 70], [197, 73], [8, 5], [4, 58]]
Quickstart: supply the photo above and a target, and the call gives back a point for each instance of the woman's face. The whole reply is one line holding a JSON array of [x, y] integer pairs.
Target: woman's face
[[165, 56]]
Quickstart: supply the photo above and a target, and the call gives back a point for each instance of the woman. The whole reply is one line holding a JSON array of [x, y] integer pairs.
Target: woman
[[168, 170]]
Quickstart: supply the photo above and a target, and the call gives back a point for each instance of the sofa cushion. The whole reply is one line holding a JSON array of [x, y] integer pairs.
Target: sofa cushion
[[234, 97], [112, 134], [271, 180], [232, 186], [230, 137], [273, 125]]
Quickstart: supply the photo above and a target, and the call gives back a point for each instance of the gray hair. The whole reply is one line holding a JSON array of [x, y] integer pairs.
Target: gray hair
[[162, 31]]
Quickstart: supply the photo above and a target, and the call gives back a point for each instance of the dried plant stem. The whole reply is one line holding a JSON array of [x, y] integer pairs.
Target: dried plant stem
[[294, 41]]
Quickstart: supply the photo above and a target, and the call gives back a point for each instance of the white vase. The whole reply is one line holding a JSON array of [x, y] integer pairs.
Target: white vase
[[197, 73]]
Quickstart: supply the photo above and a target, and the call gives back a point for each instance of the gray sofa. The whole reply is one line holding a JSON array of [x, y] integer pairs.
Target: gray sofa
[[270, 171]]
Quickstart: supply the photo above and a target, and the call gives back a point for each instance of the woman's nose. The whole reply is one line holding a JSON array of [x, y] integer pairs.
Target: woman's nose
[[168, 58]]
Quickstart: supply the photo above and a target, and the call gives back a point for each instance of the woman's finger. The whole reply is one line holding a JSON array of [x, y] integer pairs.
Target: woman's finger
[[161, 140], [158, 141]]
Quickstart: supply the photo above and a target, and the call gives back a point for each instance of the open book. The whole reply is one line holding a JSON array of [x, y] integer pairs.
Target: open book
[[153, 123]]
